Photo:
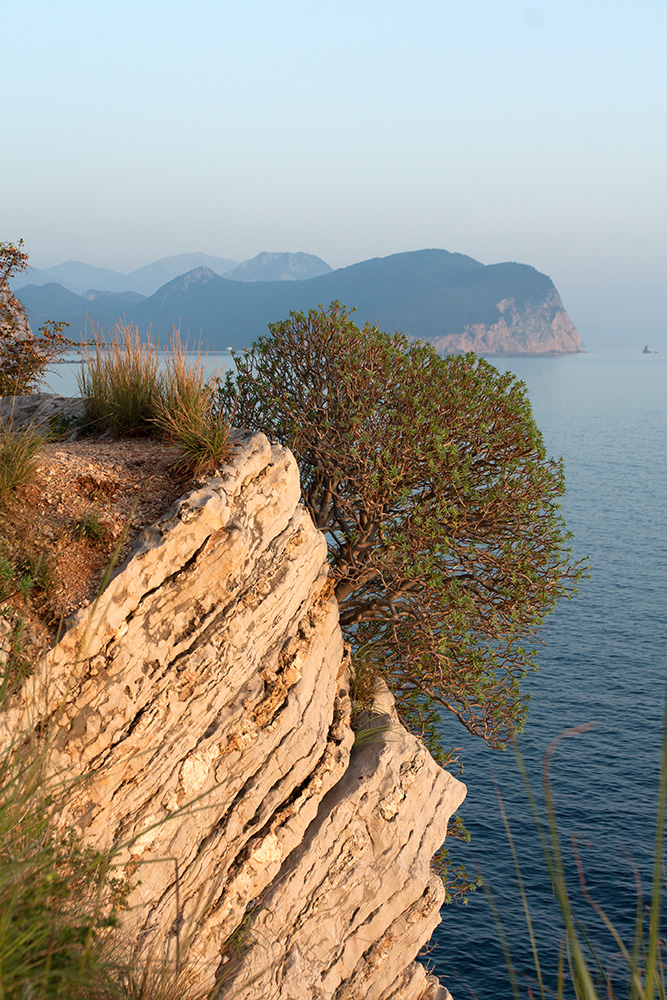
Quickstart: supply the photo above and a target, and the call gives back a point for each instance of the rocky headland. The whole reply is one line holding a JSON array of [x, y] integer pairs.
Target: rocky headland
[[457, 303], [532, 328]]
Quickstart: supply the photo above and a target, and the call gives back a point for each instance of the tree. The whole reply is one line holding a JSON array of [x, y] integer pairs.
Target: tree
[[440, 506], [24, 356]]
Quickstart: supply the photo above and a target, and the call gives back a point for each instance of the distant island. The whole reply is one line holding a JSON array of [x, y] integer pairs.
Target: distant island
[[455, 302]]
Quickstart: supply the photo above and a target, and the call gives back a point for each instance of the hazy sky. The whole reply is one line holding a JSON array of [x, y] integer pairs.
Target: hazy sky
[[502, 129]]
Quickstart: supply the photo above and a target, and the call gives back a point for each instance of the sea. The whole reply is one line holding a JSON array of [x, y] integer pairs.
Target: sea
[[602, 661]]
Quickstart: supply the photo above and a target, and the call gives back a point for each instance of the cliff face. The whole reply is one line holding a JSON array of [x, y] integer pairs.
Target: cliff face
[[204, 703], [531, 328]]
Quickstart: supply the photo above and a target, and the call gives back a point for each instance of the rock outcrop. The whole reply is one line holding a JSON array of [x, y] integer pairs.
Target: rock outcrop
[[202, 710], [530, 328], [38, 409]]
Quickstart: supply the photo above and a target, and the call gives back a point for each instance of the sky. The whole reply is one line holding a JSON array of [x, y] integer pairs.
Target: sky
[[502, 129]]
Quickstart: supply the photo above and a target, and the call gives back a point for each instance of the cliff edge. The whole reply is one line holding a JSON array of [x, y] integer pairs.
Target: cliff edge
[[541, 327], [202, 710]]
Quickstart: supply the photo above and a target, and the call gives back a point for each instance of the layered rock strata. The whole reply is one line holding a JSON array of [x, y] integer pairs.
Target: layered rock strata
[[201, 708], [530, 328]]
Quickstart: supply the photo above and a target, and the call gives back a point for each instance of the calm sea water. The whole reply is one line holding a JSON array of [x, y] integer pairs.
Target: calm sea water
[[603, 661], [62, 378]]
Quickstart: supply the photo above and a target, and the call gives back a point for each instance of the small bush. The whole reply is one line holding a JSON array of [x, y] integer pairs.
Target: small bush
[[14, 665], [37, 568], [155, 980], [188, 414], [24, 355], [90, 528]]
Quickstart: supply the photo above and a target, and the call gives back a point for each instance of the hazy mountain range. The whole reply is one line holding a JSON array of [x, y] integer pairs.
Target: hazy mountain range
[[454, 301], [82, 279]]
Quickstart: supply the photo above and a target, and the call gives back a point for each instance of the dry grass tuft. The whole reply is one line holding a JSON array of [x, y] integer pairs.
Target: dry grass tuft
[[123, 382], [18, 459], [129, 388]]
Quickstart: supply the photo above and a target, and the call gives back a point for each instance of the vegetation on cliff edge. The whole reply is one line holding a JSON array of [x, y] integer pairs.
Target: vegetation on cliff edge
[[430, 479], [24, 355]]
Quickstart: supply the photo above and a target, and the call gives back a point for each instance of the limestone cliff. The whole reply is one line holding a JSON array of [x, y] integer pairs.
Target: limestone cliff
[[204, 703], [529, 328]]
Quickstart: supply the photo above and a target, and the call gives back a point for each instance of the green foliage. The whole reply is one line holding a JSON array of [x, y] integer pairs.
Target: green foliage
[[430, 479], [6, 577], [14, 665], [37, 568], [52, 908], [59, 427], [24, 573], [24, 356], [371, 726], [90, 528], [455, 878]]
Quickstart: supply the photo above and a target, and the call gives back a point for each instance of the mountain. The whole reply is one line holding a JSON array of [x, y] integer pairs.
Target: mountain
[[452, 300], [36, 276], [53, 302], [148, 279], [81, 278], [99, 293], [279, 267]]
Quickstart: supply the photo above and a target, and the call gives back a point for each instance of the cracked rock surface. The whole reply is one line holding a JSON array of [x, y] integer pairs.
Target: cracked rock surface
[[203, 703]]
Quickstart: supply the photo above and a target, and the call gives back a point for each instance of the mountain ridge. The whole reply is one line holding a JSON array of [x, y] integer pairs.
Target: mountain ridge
[[450, 299], [81, 278], [279, 267]]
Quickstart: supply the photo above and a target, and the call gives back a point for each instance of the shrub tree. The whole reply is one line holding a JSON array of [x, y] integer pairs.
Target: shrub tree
[[440, 506], [24, 355]]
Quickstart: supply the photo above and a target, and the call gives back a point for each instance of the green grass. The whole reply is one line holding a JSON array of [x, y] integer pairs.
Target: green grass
[[581, 969], [199, 435], [18, 459], [24, 571], [60, 899], [90, 528], [52, 905]]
